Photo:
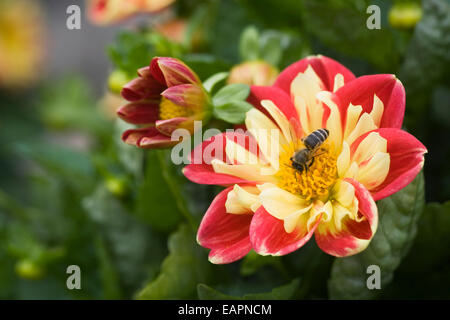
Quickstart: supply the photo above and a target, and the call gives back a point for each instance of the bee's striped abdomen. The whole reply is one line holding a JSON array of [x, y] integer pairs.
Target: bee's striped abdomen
[[316, 138]]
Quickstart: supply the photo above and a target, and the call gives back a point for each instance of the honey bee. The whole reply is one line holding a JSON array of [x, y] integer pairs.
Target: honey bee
[[304, 158]]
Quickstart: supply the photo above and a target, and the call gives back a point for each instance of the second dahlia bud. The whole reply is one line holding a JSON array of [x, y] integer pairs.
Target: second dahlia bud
[[259, 73]]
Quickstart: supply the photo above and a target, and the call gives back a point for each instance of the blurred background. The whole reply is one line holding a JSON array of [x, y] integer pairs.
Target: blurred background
[[71, 193]]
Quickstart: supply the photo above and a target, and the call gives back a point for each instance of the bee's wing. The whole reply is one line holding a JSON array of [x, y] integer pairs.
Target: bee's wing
[[295, 132]]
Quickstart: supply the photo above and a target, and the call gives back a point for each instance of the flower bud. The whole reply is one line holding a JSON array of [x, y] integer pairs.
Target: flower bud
[[28, 269], [116, 80], [116, 186], [259, 73], [166, 96], [405, 15]]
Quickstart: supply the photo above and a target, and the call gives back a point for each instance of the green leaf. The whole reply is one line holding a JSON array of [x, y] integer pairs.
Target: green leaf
[[397, 228], [226, 22], [69, 104], [271, 47], [428, 256], [232, 112], [131, 51], [135, 250], [253, 261], [341, 25], [279, 293], [214, 80], [229, 104], [430, 250], [75, 166], [249, 44], [155, 203], [232, 92], [275, 14], [108, 272], [130, 157], [426, 60], [205, 65], [185, 266]]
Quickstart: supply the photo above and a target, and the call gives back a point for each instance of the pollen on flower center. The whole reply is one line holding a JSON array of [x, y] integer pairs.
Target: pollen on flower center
[[312, 183], [169, 110]]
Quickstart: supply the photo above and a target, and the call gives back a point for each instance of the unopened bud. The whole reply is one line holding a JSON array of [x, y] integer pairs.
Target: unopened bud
[[405, 15], [29, 269], [259, 73]]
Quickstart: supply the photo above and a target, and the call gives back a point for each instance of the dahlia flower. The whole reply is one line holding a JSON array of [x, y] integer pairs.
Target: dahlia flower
[[274, 209], [110, 11], [166, 95]]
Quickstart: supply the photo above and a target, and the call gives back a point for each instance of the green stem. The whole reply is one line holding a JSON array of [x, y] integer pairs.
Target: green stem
[[171, 182]]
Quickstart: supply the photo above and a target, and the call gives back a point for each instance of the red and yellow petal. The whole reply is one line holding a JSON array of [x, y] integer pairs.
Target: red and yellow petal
[[406, 160], [190, 96], [280, 98], [226, 234], [166, 127], [353, 236], [326, 68], [269, 237], [149, 138], [201, 170], [142, 88], [139, 112], [362, 90], [172, 72]]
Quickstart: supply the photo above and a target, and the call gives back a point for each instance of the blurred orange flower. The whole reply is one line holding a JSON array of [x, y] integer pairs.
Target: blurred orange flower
[[174, 30], [21, 42], [109, 11]]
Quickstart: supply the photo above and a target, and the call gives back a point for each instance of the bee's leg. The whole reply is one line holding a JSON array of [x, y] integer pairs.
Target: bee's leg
[[318, 154], [312, 161]]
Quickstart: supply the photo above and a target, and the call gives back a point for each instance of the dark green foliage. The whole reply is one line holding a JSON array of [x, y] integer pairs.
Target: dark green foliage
[[397, 228], [72, 193]]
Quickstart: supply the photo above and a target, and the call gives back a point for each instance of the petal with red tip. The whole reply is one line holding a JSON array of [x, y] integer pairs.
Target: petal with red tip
[[142, 88], [386, 87], [277, 96], [354, 236], [268, 236], [147, 138], [186, 95], [226, 234], [326, 68], [201, 171], [145, 72], [172, 72], [168, 126], [139, 112], [406, 160]]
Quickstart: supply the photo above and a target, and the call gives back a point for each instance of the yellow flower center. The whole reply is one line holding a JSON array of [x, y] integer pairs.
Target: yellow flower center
[[313, 182], [169, 110]]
